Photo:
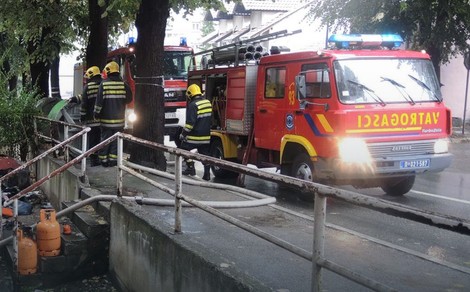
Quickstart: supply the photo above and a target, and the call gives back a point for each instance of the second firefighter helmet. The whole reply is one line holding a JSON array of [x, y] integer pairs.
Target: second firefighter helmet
[[111, 67], [92, 72], [193, 90]]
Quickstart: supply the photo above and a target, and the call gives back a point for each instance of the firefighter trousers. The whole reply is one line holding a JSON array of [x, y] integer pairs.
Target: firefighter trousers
[[94, 138], [108, 154], [201, 149]]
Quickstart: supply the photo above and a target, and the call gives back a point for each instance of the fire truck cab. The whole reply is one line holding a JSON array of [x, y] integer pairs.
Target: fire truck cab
[[175, 69], [176, 62], [362, 113]]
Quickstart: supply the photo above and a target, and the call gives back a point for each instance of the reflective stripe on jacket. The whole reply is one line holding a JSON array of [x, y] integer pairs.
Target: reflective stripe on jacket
[[90, 92], [110, 106], [198, 121]]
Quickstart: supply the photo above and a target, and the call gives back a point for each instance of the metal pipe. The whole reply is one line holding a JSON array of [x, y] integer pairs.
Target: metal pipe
[[84, 148], [178, 190], [42, 155], [60, 122], [120, 153], [219, 204], [214, 204], [62, 168], [71, 147], [198, 182], [430, 218], [465, 104], [319, 217], [355, 277], [15, 232], [66, 135], [154, 202], [258, 232]]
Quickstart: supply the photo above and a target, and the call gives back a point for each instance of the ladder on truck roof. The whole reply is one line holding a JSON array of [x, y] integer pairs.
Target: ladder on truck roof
[[230, 53]]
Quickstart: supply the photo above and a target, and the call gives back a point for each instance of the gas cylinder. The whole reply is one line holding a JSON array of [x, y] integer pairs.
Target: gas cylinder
[[27, 254], [48, 233]]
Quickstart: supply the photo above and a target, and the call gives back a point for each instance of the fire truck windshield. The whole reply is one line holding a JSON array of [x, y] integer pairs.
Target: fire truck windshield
[[386, 81], [175, 64]]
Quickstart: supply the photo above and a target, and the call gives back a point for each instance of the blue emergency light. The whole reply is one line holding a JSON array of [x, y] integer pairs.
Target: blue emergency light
[[346, 41], [131, 41], [183, 42]]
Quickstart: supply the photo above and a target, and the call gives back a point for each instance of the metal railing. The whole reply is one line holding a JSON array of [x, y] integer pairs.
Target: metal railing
[[319, 191], [66, 132]]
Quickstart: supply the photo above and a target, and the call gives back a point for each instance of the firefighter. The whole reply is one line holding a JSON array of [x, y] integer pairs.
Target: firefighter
[[196, 132], [110, 109], [90, 91]]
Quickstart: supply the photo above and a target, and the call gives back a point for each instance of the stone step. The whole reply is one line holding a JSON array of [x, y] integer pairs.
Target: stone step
[[101, 207], [88, 221]]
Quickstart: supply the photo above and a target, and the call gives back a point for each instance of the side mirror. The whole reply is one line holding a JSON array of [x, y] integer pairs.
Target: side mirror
[[300, 86]]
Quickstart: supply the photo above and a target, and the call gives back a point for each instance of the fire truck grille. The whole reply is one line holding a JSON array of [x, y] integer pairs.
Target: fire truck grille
[[171, 96], [383, 150]]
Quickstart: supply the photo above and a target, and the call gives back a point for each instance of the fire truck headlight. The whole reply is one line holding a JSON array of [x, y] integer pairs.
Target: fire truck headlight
[[441, 146], [354, 150], [132, 117]]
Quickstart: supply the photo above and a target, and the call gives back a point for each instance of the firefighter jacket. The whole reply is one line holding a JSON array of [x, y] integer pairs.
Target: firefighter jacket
[[197, 129], [90, 91], [110, 105]]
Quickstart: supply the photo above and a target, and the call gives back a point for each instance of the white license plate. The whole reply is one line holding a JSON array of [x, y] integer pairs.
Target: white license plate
[[419, 163], [170, 115]]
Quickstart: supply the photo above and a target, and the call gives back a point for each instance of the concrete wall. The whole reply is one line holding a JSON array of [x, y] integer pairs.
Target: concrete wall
[[63, 187], [144, 256]]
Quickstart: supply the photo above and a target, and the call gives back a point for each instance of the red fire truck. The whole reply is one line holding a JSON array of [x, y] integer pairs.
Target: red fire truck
[[176, 63], [362, 112]]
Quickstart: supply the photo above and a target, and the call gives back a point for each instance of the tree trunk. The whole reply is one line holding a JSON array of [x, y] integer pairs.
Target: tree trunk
[[149, 102], [40, 77], [97, 48], [39, 68], [55, 86]]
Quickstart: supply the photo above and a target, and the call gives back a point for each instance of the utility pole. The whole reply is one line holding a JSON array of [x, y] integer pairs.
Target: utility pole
[[466, 62]]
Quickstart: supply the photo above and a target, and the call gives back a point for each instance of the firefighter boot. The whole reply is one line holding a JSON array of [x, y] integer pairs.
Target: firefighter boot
[[207, 173], [190, 170], [94, 160]]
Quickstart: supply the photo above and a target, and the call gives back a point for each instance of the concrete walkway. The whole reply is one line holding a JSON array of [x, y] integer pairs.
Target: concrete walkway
[[213, 255]]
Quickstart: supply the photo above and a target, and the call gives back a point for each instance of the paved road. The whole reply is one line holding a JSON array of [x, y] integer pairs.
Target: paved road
[[349, 240]]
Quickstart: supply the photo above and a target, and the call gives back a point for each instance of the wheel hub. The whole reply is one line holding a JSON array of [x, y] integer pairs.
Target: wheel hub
[[304, 172]]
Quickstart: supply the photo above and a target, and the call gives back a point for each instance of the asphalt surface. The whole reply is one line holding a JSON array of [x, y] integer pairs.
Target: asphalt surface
[[284, 271], [232, 247]]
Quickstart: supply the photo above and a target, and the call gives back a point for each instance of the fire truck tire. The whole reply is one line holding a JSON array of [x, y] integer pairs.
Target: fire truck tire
[[399, 187], [302, 167], [217, 151]]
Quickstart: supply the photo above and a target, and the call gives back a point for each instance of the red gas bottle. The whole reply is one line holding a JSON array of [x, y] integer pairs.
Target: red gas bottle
[[48, 233], [27, 254]]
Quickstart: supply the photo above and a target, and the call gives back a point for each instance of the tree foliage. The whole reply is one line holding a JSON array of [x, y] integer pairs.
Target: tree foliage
[[441, 27], [16, 121], [37, 31]]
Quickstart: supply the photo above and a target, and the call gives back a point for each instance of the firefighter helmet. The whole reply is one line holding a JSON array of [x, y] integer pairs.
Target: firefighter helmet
[[111, 67], [193, 90], [92, 72]]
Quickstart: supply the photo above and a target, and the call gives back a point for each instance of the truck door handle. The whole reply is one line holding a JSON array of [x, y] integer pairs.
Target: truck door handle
[[263, 110]]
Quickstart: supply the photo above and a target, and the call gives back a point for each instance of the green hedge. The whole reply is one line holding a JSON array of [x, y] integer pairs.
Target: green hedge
[[16, 123]]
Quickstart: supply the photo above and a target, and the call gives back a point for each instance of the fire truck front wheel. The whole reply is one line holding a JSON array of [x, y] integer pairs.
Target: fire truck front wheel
[[398, 186], [217, 151], [302, 167]]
